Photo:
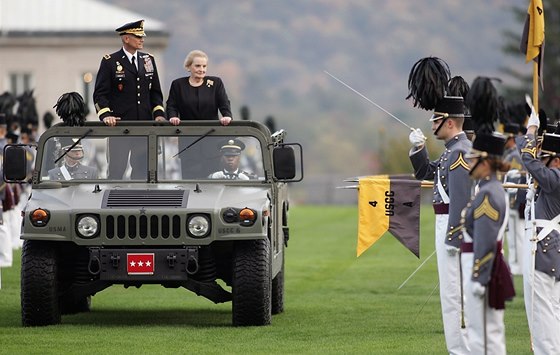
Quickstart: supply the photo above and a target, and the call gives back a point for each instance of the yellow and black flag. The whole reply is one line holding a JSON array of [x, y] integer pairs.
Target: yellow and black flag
[[532, 40], [389, 203]]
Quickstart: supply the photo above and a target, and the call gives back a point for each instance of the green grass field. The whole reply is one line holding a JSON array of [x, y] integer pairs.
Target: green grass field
[[335, 304]]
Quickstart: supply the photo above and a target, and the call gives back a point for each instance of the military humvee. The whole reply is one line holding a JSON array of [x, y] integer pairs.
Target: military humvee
[[168, 224]]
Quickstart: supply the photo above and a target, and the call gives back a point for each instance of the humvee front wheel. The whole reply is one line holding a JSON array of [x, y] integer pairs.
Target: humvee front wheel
[[251, 284], [39, 284]]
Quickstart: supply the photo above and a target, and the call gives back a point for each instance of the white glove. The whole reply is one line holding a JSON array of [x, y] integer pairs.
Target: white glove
[[451, 250], [534, 118], [416, 137], [478, 290]]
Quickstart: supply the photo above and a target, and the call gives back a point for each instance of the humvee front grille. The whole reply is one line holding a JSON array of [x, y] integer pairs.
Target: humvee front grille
[[143, 226], [145, 198]]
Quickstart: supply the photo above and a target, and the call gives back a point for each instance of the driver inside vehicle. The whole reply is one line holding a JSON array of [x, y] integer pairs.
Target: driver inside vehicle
[[72, 168], [231, 155]]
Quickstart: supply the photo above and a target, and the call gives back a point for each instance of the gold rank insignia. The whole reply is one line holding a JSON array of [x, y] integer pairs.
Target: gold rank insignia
[[107, 56], [532, 151], [459, 162], [486, 208]]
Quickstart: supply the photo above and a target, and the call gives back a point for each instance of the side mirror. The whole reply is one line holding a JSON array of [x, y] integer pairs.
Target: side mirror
[[285, 162], [15, 163]]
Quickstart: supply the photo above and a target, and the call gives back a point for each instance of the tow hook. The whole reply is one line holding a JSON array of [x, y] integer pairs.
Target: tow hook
[[94, 266], [192, 261]]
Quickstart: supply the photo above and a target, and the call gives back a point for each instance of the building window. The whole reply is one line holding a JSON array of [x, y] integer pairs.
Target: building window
[[20, 82]]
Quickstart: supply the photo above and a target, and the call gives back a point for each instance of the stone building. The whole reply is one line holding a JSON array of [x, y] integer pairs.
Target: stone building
[[55, 46]]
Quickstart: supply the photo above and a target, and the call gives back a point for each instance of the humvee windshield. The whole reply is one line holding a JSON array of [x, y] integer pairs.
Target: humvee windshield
[[178, 158]]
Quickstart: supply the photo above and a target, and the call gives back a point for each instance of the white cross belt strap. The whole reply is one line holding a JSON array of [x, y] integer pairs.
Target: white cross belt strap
[[547, 226], [65, 173], [441, 190]]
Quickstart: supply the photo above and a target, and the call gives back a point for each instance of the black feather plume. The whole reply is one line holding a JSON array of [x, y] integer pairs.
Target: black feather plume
[[458, 87], [71, 108], [503, 114], [428, 82], [482, 100]]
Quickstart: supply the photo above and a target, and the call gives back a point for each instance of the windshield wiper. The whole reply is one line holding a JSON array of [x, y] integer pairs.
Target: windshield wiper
[[73, 145], [193, 143]]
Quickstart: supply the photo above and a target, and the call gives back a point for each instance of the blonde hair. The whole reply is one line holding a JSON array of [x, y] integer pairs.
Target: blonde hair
[[192, 54]]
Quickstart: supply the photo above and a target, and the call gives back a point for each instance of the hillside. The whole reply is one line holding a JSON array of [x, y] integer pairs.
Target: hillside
[[272, 56]]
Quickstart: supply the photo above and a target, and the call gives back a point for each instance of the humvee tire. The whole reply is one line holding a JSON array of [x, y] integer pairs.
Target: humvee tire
[[251, 284], [278, 292], [39, 284]]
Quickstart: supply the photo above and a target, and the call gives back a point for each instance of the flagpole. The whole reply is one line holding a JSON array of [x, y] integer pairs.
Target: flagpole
[[536, 86]]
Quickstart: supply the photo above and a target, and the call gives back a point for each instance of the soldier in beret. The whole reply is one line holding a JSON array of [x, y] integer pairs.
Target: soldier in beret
[[128, 88], [541, 275], [72, 168], [231, 154], [487, 280]]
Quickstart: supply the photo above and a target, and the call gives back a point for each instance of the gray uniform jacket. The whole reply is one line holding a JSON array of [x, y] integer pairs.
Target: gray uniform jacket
[[77, 172], [484, 217], [454, 174], [547, 206], [513, 157]]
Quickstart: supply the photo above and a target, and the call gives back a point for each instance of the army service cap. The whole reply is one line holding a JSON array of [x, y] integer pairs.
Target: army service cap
[[232, 147], [133, 28], [67, 142]]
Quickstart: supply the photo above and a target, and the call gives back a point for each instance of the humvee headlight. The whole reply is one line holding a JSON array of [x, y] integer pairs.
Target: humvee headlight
[[39, 217], [87, 226], [247, 216], [198, 226]]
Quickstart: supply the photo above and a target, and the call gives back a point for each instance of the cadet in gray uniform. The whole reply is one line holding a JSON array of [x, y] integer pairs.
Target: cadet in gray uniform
[[541, 281], [231, 152], [516, 225], [452, 191], [483, 266], [6, 255], [72, 168]]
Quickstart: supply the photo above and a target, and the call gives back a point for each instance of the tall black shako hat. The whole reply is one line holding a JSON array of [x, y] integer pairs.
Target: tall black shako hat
[[550, 145], [482, 100], [459, 87], [135, 28]]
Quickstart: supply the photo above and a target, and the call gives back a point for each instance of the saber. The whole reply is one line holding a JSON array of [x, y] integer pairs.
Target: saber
[[415, 271], [368, 100]]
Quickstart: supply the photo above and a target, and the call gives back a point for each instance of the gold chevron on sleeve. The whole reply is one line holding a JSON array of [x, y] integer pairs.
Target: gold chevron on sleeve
[[459, 162], [486, 208], [532, 151]]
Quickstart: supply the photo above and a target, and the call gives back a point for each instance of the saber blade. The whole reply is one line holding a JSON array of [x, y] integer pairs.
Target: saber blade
[[368, 100]]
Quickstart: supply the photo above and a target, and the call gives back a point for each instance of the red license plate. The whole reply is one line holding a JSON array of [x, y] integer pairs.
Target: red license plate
[[140, 263]]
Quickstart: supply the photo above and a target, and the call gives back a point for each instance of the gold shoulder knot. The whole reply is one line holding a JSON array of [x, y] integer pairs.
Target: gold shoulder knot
[[459, 162], [487, 209]]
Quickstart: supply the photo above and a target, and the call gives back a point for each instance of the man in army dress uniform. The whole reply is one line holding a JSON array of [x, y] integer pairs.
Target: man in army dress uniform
[[541, 276], [516, 225], [72, 168], [452, 191], [231, 154], [128, 88]]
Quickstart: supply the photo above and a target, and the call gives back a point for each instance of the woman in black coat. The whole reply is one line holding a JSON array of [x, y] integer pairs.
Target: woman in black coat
[[198, 97]]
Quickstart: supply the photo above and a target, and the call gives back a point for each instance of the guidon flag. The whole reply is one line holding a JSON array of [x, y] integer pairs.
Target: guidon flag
[[389, 203]]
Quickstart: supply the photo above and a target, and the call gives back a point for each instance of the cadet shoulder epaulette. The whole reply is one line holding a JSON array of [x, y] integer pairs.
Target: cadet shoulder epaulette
[[107, 56]]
